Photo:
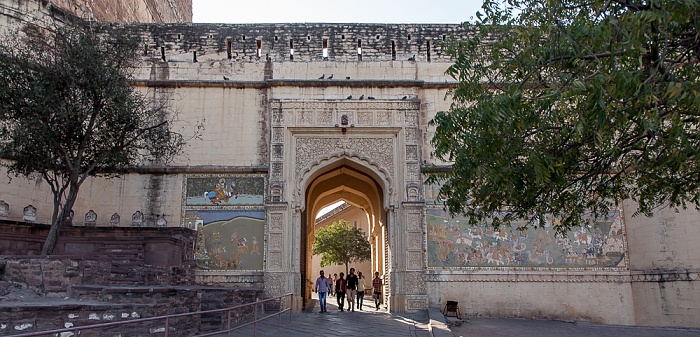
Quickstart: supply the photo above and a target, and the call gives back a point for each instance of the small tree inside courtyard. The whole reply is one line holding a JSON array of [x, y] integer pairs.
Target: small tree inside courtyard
[[338, 243], [68, 112]]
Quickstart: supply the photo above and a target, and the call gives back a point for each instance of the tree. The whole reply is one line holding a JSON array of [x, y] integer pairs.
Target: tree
[[568, 107], [338, 243], [68, 112]]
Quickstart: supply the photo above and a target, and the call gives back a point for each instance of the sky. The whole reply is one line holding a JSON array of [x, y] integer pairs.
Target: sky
[[330, 11]]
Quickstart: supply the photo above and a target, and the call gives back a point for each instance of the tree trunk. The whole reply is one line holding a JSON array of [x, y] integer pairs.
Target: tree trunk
[[52, 237]]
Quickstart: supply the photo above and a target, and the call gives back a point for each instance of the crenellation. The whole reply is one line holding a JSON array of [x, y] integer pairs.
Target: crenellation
[[303, 42]]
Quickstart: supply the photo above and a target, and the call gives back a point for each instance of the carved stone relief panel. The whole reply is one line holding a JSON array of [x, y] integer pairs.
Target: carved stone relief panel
[[324, 118], [411, 136], [411, 118], [276, 170], [364, 118], [413, 222], [412, 172], [277, 135], [274, 260], [276, 222], [416, 304], [379, 150], [414, 260], [411, 152], [277, 152], [415, 240], [384, 118], [305, 117], [414, 283], [275, 241]]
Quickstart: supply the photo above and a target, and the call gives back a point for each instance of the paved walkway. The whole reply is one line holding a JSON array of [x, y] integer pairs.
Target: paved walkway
[[369, 322], [498, 327]]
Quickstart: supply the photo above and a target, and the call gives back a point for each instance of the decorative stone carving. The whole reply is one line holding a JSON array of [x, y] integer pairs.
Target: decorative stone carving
[[324, 118], [413, 222], [384, 118], [276, 170], [411, 152], [275, 241], [276, 222], [276, 190], [137, 219], [29, 213], [364, 118], [413, 283], [114, 220], [304, 117], [277, 135], [4, 209], [502, 274], [411, 118], [412, 172], [414, 240], [413, 191], [414, 260], [161, 222], [416, 304], [411, 136], [90, 219], [275, 284], [275, 260], [277, 151], [378, 149]]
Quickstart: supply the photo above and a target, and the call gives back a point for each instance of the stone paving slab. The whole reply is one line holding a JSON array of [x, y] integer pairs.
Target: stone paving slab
[[500, 327], [368, 322]]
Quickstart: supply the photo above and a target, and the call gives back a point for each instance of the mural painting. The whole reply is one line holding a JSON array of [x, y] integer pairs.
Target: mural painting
[[230, 190], [452, 242], [228, 213]]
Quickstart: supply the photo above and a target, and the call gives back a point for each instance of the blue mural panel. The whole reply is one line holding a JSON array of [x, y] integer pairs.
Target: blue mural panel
[[228, 213]]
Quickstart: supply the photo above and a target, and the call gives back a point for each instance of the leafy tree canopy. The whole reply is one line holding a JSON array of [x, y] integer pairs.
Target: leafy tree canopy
[[567, 107], [68, 111], [338, 243]]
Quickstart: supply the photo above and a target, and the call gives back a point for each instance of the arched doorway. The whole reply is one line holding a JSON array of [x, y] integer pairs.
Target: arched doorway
[[349, 181]]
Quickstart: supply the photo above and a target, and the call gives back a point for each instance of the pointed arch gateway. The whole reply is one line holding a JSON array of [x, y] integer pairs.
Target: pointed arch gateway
[[363, 152], [341, 180]]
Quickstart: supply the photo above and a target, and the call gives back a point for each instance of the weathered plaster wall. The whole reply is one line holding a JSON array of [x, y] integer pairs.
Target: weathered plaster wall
[[571, 297], [665, 266], [158, 11]]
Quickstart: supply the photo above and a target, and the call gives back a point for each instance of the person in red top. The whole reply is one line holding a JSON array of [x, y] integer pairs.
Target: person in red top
[[377, 286], [340, 287]]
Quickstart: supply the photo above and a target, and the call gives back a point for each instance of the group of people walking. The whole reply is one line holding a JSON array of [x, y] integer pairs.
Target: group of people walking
[[354, 287]]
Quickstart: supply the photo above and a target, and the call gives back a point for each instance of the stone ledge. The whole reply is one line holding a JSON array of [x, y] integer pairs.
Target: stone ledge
[[437, 325]]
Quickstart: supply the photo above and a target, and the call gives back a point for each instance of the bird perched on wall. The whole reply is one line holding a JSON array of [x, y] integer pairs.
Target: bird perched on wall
[[362, 97], [347, 77], [330, 77], [412, 58], [226, 78], [370, 97], [349, 97], [322, 77], [405, 97]]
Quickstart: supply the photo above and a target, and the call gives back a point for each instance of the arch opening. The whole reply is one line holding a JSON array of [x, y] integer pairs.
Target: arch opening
[[363, 193]]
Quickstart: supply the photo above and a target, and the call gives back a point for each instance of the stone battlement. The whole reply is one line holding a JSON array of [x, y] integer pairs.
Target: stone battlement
[[306, 42]]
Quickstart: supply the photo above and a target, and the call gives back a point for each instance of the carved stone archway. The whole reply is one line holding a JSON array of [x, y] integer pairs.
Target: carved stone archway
[[377, 138]]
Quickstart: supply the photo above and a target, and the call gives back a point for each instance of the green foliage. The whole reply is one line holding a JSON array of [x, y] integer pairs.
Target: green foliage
[[68, 110], [567, 107], [338, 243]]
